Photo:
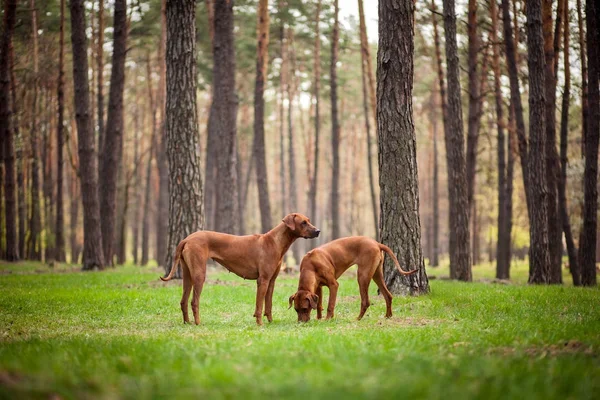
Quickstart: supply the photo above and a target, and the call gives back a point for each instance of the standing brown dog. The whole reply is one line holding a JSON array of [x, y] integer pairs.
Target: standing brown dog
[[250, 257], [325, 264]]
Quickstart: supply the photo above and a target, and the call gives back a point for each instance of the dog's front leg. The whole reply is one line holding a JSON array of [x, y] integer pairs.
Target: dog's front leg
[[262, 285]]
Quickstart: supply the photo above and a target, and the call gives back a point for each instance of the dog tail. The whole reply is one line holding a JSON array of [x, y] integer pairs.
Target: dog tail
[[176, 259], [391, 254]]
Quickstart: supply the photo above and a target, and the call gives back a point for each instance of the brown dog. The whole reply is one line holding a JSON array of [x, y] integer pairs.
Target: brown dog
[[325, 264], [250, 257]]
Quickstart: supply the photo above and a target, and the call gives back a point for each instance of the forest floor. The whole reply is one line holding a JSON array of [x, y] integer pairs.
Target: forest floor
[[119, 334]]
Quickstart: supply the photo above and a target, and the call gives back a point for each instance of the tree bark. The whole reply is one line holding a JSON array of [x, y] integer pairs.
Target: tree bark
[[365, 70], [400, 224], [474, 101], [162, 223], [460, 250], [312, 194], [60, 142], [552, 166], [88, 167], [262, 59], [185, 181], [113, 139], [587, 248], [282, 84], [335, 129], [564, 141], [584, 75], [539, 255], [6, 133], [75, 198], [225, 110], [100, 80]]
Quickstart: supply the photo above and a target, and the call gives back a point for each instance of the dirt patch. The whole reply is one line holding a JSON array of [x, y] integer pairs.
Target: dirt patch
[[552, 350]]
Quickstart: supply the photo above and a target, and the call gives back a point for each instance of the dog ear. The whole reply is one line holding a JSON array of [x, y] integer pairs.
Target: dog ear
[[289, 221], [292, 297], [313, 299]]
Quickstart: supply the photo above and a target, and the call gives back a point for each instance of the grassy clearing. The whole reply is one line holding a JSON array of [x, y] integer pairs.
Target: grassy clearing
[[119, 334]]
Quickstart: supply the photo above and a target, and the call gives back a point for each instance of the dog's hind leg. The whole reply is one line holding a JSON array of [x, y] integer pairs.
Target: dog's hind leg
[[379, 280], [187, 288], [197, 267]]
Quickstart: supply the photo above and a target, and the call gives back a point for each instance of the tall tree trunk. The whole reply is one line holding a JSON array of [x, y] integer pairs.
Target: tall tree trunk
[[335, 130], [6, 133], [587, 248], [74, 197], [564, 141], [435, 245], [137, 176], [584, 77], [146, 218], [400, 224], [552, 166], [312, 194], [510, 168], [48, 200], [262, 181], [502, 263], [282, 84], [365, 55], [474, 101], [21, 158], [185, 181], [515, 97], [460, 254], [162, 223], [88, 167], [225, 110], [100, 80], [539, 255], [59, 253], [113, 139]]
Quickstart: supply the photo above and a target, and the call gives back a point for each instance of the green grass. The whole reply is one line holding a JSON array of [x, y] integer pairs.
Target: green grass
[[118, 334]]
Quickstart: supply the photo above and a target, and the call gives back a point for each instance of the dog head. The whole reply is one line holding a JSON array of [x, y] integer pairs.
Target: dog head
[[301, 226], [304, 302]]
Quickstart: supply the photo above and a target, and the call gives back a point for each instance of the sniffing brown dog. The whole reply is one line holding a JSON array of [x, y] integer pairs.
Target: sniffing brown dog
[[256, 257], [325, 264]]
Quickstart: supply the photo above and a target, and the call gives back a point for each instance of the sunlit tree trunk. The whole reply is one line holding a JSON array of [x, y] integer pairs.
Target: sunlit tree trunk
[[312, 195], [335, 129], [59, 253]]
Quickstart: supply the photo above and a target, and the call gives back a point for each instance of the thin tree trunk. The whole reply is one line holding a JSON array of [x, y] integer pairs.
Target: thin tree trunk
[[400, 224], [539, 255], [502, 263], [47, 184], [291, 90], [138, 194], [584, 77], [100, 79], [364, 46], [435, 197], [510, 167], [312, 195], [6, 133], [162, 224], [74, 198], [185, 181], [262, 181], [153, 102], [282, 84], [474, 101], [21, 158], [460, 255], [515, 97], [564, 141], [225, 113], [210, 167], [335, 130], [552, 163], [587, 248], [88, 168], [59, 253], [113, 139]]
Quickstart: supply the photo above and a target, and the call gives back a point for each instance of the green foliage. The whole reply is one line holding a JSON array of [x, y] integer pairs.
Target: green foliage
[[119, 334]]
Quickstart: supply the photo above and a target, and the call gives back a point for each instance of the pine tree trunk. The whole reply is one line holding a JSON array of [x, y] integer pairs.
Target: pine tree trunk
[[460, 250], [365, 68], [587, 248], [210, 167], [113, 138], [88, 167], [564, 141], [282, 84], [162, 209], [100, 80], [510, 167], [59, 253], [502, 263], [312, 194], [225, 112], [400, 225], [74, 198], [552, 166], [515, 97], [135, 229], [335, 130], [435, 251], [6, 133], [539, 255], [47, 183], [262, 181], [584, 77], [474, 102], [185, 181], [21, 158]]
